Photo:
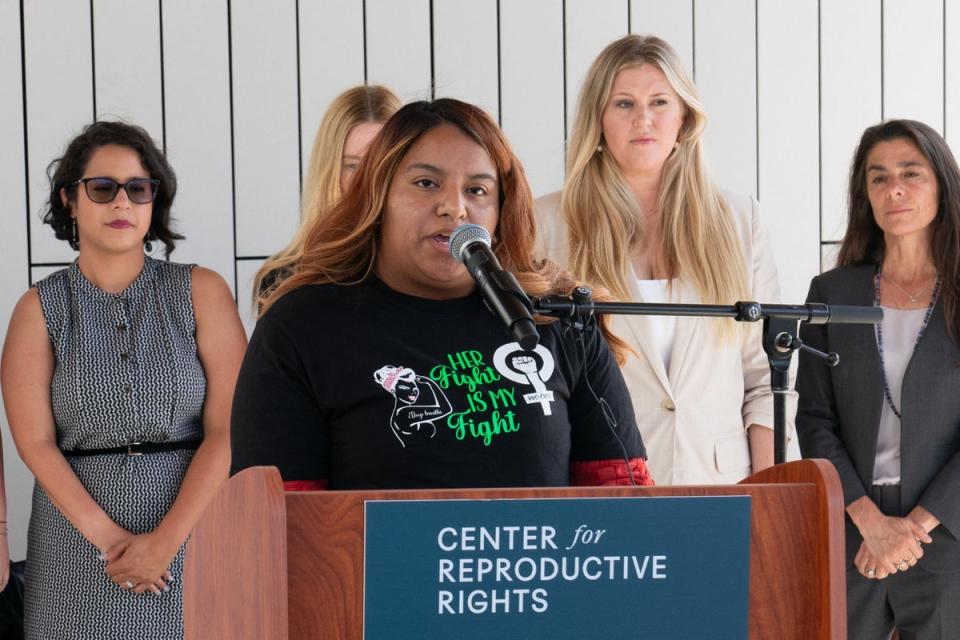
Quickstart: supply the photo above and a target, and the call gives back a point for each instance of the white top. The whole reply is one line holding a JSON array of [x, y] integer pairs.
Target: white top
[[900, 329], [662, 328]]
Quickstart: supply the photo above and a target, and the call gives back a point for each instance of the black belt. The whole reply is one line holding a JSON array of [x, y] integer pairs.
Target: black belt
[[137, 448]]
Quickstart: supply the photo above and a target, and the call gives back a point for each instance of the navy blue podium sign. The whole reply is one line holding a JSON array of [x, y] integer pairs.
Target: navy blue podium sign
[[671, 567]]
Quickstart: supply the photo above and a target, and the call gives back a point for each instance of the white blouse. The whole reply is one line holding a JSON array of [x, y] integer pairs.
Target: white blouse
[[662, 328], [900, 329]]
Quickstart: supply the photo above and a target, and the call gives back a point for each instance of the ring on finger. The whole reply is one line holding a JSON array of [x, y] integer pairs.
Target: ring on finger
[[871, 573], [128, 584], [903, 566]]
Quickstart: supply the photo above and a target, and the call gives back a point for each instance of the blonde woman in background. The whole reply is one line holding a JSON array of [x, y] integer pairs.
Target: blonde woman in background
[[353, 119], [640, 216]]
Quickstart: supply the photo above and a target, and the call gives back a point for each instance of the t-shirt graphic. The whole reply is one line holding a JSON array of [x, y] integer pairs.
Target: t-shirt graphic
[[527, 367], [422, 405], [417, 401]]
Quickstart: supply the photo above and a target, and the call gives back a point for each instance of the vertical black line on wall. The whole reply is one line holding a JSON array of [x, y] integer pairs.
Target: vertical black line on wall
[[693, 38], [233, 145], [883, 97], [756, 80], [564, 40], [299, 107], [499, 73], [26, 147], [629, 18], [433, 71], [364, 12], [820, 133], [163, 88], [93, 62]]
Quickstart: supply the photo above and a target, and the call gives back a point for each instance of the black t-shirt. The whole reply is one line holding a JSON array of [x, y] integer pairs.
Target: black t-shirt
[[365, 387]]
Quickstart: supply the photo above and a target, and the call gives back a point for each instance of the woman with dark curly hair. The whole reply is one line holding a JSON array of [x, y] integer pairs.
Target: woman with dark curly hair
[[117, 376]]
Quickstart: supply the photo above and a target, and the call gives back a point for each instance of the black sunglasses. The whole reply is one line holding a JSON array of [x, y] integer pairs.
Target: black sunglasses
[[104, 190]]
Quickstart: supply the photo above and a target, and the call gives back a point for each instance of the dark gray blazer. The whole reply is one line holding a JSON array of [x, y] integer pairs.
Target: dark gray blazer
[[839, 413]]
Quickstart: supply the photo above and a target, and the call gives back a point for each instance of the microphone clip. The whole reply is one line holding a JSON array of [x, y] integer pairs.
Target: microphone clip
[[576, 311]]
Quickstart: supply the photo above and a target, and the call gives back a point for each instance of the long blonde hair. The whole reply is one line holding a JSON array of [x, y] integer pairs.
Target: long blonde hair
[[342, 248], [699, 242], [321, 186]]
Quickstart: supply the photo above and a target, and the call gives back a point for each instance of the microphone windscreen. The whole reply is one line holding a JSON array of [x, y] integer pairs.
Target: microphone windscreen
[[464, 235]]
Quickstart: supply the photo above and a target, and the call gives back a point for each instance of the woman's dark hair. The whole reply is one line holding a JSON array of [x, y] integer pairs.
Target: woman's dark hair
[[64, 172], [863, 242]]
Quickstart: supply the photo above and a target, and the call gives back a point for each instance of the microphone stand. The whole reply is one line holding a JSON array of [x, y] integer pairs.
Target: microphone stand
[[781, 328]]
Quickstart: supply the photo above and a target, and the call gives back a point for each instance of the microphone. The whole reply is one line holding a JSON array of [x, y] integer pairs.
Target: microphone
[[470, 244]]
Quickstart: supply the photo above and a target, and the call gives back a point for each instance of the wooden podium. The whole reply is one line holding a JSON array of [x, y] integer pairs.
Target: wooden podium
[[268, 565]]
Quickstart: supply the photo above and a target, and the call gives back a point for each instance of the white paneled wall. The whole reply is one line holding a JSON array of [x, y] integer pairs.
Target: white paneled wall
[[332, 59], [129, 85], [58, 58], [913, 57], [951, 71], [532, 96], [673, 21], [725, 42], [787, 119], [399, 46], [850, 97], [234, 90], [14, 245], [589, 26], [467, 70], [266, 123], [197, 104]]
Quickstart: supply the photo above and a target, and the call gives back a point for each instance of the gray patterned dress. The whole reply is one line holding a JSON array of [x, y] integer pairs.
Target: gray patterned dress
[[126, 369]]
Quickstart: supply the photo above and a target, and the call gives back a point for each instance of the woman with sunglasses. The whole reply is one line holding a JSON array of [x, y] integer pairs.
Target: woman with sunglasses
[[117, 375]]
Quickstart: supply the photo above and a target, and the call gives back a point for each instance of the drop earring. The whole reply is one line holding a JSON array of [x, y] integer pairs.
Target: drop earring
[[147, 246], [73, 240]]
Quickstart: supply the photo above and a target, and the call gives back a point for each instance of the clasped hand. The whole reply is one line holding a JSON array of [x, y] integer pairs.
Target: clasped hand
[[890, 545], [140, 560]]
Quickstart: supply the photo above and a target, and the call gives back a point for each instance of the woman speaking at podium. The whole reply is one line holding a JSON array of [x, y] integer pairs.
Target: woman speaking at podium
[[888, 416], [376, 364], [639, 216]]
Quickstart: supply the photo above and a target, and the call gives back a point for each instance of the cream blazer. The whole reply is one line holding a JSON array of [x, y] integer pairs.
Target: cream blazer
[[694, 417]]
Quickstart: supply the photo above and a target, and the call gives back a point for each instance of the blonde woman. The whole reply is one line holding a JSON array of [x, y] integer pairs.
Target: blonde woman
[[640, 216], [353, 119]]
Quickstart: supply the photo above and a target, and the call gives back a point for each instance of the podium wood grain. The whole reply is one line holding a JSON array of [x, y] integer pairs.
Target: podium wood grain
[[234, 577], [797, 578]]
